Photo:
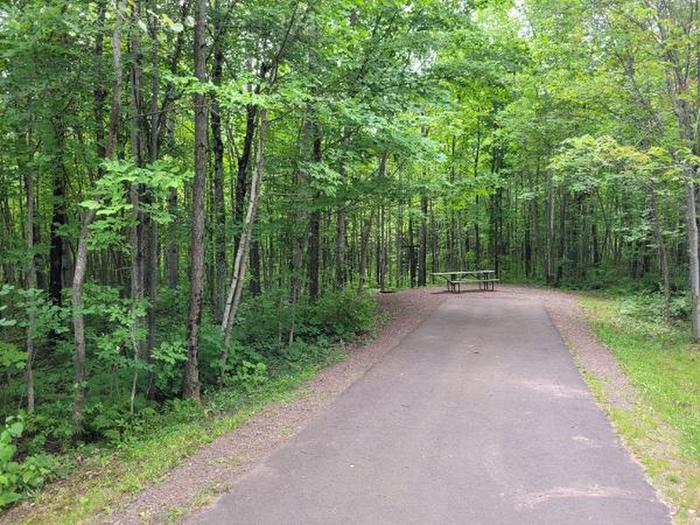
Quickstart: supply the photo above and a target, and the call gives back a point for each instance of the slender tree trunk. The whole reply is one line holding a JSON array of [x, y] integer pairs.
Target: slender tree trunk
[[218, 187], [562, 236], [477, 237], [242, 172], [412, 263], [381, 255], [340, 248], [151, 274], [297, 260], [314, 230], [172, 249], [694, 266], [423, 240], [31, 284], [255, 272], [137, 196], [549, 247], [99, 90], [78, 320], [340, 231], [120, 9], [58, 221], [314, 253], [81, 259], [191, 386], [661, 248], [364, 248], [234, 296], [399, 246]]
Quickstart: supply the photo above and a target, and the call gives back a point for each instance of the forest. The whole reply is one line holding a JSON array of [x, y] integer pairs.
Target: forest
[[200, 197]]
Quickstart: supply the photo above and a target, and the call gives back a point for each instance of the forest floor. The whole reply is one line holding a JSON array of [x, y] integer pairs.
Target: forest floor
[[209, 471]]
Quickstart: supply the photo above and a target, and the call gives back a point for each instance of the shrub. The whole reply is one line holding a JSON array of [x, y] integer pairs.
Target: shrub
[[651, 307], [250, 376], [18, 480], [167, 366], [341, 314], [112, 421]]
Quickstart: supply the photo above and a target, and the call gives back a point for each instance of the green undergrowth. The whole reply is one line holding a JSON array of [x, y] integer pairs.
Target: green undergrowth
[[102, 481], [117, 452], [663, 364]]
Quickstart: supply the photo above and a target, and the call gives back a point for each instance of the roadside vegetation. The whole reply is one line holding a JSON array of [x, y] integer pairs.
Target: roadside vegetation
[[125, 451], [662, 361]]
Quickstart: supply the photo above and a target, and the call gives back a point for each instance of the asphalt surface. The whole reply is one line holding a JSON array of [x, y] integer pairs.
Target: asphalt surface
[[479, 416]]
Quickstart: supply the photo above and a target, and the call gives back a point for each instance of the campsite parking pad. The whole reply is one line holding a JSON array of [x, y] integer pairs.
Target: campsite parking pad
[[478, 416]]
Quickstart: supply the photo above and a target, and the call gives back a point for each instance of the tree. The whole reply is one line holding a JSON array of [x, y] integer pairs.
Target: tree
[[191, 386]]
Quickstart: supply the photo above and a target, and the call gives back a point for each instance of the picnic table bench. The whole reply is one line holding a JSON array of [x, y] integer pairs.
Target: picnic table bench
[[486, 279]]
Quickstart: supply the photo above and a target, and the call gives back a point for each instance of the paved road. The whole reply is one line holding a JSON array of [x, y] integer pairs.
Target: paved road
[[478, 417]]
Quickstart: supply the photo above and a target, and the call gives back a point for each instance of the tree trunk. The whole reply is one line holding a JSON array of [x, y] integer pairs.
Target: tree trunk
[[99, 90], [31, 284], [81, 259], [151, 274], [191, 386], [549, 248], [340, 249], [219, 277], [255, 277], [242, 172], [364, 248], [423, 240], [562, 236], [314, 232], [340, 231], [78, 320], [137, 196], [58, 222], [172, 249], [239, 269], [412, 263], [694, 264]]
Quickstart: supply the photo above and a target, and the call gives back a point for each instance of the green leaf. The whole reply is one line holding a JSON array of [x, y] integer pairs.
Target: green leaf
[[90, 204]]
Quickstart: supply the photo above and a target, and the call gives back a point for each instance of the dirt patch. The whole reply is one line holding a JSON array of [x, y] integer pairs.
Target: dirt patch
[[213, 469]]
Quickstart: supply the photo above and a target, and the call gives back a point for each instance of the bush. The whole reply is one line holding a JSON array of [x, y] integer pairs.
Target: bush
[[262, 319], [112, 421], [341, 314], [19, 480], [167, 366], [250, 376], [651, 307]]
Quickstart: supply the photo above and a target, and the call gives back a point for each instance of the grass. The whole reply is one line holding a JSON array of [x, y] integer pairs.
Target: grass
[[103, 482], [663, 428]]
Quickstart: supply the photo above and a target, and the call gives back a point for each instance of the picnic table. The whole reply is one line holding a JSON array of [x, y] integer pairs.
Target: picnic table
[[486, 279]]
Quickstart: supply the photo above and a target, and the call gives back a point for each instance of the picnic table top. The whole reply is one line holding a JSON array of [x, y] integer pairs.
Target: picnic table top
[[463, 272]]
